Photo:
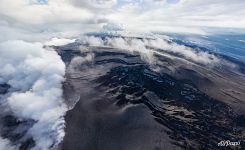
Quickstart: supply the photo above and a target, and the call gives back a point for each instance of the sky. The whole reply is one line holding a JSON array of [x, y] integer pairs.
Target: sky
[[35, 20]]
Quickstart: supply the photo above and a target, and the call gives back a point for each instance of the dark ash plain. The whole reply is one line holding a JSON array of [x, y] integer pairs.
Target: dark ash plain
[[125, 103]]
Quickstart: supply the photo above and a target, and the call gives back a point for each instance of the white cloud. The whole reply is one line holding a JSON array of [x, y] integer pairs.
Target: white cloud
[[78, 62], [5, 145], [22, 11], [59, 42], [22, 20], [35, 76], [187, 52], [147, 47], [92, 41], [69, 18], [95, 4], [186, 16], [113, 27]]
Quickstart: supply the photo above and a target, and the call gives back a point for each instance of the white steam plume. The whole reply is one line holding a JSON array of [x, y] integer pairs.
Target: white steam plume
[[35, 76]]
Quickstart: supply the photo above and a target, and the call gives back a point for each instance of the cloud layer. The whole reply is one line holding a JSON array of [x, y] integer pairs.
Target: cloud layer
[[147, 47], [36, 20]]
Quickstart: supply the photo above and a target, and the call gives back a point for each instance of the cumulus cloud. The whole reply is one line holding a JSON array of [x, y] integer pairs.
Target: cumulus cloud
[[35, 76]]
